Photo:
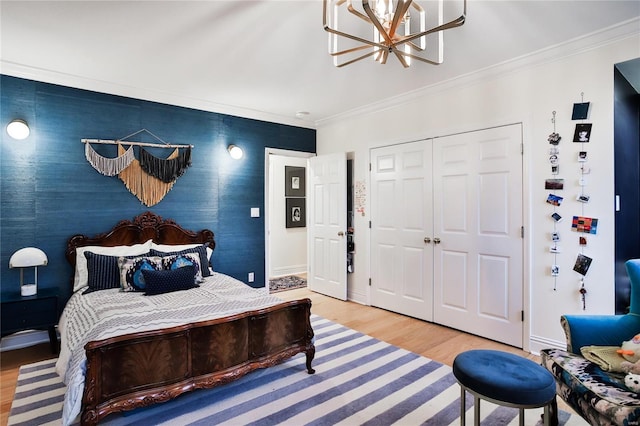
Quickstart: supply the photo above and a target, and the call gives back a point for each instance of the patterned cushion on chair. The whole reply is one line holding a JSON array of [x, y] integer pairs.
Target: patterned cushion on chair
[[598, 396]]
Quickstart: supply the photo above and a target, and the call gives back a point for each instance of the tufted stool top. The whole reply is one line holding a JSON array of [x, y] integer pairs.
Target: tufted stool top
[[504, 377]]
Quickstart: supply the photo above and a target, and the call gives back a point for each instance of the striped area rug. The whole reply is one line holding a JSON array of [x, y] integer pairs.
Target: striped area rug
[[359, 381]]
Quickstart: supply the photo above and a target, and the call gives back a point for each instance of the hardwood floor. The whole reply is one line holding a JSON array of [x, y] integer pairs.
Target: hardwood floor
[[430, 340], [433, 341]]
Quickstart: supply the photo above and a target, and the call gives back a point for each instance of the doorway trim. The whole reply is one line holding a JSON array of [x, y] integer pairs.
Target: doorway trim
[[267, 189]]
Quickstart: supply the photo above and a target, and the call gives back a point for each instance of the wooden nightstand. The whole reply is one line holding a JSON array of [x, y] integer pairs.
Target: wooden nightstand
[[20, 313]]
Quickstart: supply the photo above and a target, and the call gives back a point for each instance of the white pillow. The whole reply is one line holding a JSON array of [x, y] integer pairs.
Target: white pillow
[[168, 248], [81, 276]]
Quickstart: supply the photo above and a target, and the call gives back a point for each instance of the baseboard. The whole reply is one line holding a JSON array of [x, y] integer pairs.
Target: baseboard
[[289, 270], [538, 343], [23, 340], [359, 298]]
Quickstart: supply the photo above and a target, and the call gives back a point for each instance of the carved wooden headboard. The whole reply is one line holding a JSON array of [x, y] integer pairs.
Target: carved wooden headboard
[[147, 226]]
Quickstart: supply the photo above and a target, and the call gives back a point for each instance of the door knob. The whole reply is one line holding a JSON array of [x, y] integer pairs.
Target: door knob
[[340, 234], [427, 240], [436, 240]]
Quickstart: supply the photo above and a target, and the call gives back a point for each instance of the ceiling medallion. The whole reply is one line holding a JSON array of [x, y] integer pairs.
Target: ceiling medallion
[[403, 28]]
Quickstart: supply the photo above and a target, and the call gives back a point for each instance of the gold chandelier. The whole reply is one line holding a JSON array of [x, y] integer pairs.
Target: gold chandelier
[[396, 27]]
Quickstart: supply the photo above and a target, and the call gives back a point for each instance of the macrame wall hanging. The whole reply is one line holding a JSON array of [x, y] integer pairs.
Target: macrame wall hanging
[[149, 178]]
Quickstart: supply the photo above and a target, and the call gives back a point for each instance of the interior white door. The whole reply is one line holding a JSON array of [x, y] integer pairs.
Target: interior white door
[[327, 224], [401, 227], [478, 255]]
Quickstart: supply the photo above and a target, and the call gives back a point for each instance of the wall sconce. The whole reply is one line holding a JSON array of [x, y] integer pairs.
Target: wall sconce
[[18, 129], [25, 258], [235, 152]]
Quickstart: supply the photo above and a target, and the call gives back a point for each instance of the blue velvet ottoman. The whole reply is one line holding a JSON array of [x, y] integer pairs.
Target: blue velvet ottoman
[[505, 379]]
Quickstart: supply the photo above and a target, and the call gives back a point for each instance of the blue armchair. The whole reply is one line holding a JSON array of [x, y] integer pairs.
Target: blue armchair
[[600, 397]]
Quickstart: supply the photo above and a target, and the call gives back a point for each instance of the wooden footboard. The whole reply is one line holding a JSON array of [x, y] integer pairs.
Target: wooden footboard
[[141, 369]]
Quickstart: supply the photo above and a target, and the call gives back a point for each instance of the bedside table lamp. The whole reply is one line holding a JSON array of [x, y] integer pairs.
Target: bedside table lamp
[[26, 258]]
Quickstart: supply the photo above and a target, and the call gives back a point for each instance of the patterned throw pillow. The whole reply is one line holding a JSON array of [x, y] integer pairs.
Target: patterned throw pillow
[[182, 260], [102, 271], [159, 282], [201, 250], [131, 277]]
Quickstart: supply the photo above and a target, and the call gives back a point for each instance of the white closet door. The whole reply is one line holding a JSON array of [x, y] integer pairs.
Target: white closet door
[[478, 263], [327, 224], [401, 219]]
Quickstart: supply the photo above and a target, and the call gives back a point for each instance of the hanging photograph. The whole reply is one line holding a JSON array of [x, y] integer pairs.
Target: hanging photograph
[[555, 216], [555, 200], [583, 198], [582, 133], [582, 264], [296, 215], [294, 182], [587, 225], [580, 111], [554, 184]]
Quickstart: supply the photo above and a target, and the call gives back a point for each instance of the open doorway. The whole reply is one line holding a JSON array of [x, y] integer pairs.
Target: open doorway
[[627, 174], [285, 219]]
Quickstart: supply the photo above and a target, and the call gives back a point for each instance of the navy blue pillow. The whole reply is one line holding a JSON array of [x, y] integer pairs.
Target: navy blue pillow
[[168, 280], [103, 271], [201, 250]]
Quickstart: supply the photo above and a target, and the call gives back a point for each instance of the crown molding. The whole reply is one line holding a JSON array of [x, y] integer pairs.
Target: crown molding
[[64, 79], [560, 51], [578, 45]]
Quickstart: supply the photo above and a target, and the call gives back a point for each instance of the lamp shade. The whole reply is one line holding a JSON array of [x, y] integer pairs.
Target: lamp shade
[[28, 256]]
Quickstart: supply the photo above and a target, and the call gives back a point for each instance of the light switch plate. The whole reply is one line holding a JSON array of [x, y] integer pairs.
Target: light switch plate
[[255, 211]]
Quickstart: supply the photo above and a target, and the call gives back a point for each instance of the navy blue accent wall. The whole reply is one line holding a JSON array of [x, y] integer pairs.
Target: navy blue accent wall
[[49, 192]]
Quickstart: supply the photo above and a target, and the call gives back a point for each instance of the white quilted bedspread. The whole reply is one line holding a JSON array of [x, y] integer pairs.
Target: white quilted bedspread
[[108, 313]]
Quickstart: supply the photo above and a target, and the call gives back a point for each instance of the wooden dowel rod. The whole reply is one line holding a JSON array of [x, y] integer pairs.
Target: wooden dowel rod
[[155, 145]]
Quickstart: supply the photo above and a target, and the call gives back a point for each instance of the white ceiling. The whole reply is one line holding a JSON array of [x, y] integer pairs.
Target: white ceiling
[[264, 59]]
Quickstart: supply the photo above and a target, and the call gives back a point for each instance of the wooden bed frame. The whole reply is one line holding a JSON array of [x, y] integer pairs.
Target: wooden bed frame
[[146, 368]]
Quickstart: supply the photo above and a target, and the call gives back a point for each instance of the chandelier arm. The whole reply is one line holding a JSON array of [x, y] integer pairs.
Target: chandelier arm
[[416, 6], [415, 46], [397, 16], [453, 24], [356, 12], [401, 57], [357, 59], [376, 22], [384, 55], [409, 55], [353, 49], [355, 38]]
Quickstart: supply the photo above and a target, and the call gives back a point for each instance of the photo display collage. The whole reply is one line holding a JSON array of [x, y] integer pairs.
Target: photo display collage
[[558, 191]]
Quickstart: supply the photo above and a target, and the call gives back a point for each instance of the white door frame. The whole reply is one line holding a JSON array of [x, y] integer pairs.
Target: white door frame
[[267, 187]]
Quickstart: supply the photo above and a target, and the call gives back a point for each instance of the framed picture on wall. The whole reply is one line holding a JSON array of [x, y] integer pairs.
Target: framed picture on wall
[[582, 132], [294, 182], [295, 211]]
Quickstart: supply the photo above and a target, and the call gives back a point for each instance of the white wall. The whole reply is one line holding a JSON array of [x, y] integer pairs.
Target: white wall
[[524, 91], [288, 246]]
